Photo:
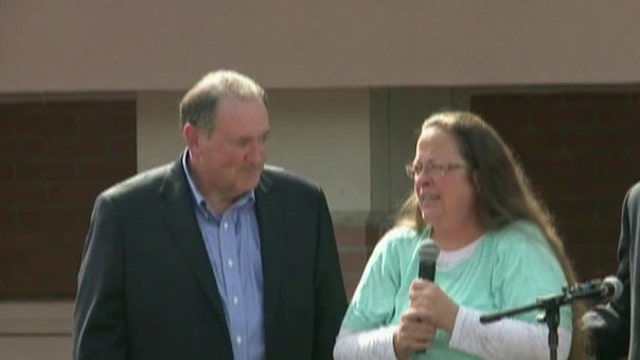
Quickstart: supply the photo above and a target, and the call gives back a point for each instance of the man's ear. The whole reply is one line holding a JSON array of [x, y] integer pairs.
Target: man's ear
[[191, 136]]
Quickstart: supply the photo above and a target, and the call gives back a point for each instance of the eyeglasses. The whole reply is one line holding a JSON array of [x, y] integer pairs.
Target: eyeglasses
[[435, 170]]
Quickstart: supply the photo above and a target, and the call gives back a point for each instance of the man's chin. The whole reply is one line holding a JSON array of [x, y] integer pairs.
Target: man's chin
[[250, 184]]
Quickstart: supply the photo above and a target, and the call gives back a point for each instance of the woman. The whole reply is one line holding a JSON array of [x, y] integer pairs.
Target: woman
[[499, 250]]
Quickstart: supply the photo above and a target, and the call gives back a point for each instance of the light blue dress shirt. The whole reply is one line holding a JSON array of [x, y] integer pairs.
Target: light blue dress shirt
[[232, 241]]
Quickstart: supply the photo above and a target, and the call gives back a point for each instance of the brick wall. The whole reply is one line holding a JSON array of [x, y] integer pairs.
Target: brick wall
[[55, 157], [581, 152], [355, 244]]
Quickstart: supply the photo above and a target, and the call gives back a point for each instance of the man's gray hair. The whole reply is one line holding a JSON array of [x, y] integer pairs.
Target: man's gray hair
[[198, 106]]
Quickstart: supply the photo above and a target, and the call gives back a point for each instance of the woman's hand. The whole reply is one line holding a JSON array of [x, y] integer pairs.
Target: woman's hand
[[415, 333], [431, 300]]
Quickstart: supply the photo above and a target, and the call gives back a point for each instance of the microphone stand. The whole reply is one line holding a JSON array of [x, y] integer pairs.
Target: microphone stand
[[551, 305]]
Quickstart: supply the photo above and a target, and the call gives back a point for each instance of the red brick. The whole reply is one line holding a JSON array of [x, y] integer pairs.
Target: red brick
[[62, 283], [64, 257], [43, 219], [507, 118], [535, 141], [350, 283], [580, 140], [81, 147], [350, 235], [574, 210], [591, 188], [18, 280], [45, 123], [12, 257], [624, 164], [593, 159], [561, 116], [106, 169], [109, 124], [594, 262], [58, 257], [45, 170], [12, 148], [353, 260], [82, 208], [37, 267], [23, 193], [555, 175], [71, 240], [123, 146], [73, 193], [6, 171], [23, 285], [7, 219], [21, 239], [50, 220], [619, 116], [602, 191], [60, 266], [6, 125]]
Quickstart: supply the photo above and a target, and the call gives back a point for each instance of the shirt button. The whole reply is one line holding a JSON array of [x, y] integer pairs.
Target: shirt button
[[225, 225], [235, 300], [239, 340], [230, 262]]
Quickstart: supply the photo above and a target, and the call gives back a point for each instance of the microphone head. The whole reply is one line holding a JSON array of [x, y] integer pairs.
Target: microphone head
[[428, 251], [612, 283]]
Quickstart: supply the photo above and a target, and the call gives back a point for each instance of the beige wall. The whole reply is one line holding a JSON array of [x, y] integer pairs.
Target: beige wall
[[159, 138], [144, 45], [35, 330], [324, 136]]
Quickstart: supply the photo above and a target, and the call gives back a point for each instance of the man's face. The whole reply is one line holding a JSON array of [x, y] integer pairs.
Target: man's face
[[228, 161]]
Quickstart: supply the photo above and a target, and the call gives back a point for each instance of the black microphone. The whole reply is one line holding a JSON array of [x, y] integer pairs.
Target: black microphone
[[428, 253], [607, 288]]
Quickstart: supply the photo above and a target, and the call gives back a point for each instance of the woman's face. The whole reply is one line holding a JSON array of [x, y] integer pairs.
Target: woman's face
[[446, 194]]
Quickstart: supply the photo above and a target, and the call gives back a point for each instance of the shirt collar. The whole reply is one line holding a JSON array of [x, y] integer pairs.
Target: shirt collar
[[247, 198]]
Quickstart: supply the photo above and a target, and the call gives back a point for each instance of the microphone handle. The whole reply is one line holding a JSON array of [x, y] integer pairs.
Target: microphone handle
[[427, 270]]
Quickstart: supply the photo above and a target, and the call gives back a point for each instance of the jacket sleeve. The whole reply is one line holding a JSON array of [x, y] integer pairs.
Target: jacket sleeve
[[608, 325], [330, 299], [99, 329]]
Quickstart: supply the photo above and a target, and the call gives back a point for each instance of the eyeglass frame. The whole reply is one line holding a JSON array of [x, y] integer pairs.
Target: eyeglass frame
[[434, 170]]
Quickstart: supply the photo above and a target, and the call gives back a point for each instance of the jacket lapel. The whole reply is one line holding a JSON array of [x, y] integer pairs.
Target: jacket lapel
[[270, 214], [180, 217]]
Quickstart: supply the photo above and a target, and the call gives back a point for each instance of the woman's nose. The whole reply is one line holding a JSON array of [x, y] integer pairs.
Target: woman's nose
[[422, 179]]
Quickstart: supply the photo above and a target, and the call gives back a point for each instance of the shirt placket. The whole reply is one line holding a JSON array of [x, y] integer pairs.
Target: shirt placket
[[230, 265]]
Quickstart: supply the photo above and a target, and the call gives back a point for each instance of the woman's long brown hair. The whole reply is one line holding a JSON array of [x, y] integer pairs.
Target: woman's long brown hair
[[503, 194]]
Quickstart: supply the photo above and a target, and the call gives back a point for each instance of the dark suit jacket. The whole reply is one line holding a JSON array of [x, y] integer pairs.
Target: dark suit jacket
[[146, 289], [615, 329], [629, 270]]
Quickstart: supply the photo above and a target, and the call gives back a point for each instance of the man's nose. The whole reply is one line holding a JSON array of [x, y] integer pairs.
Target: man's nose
[[256, 153]]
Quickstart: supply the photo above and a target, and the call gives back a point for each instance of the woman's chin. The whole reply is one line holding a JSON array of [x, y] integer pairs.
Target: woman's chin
[[430, 216]]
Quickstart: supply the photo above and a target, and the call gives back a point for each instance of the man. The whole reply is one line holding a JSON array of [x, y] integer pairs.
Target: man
[[211, 257], [615, 328]]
